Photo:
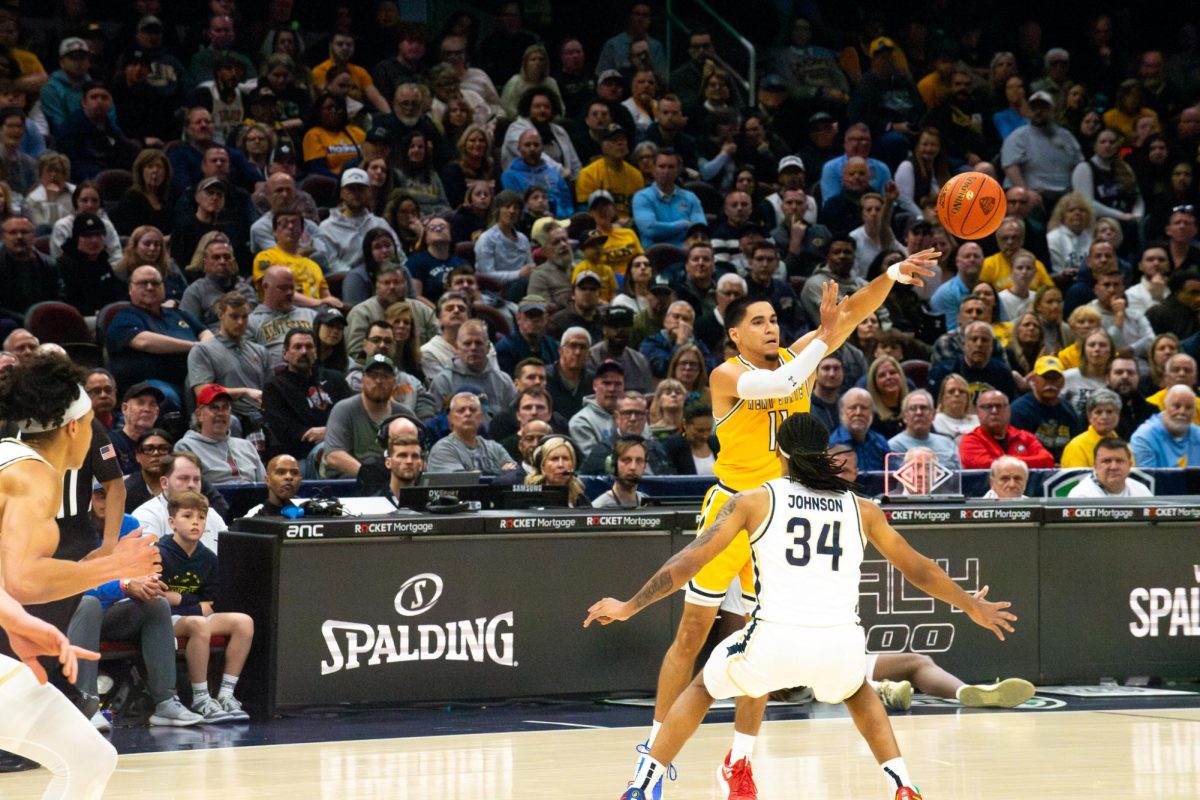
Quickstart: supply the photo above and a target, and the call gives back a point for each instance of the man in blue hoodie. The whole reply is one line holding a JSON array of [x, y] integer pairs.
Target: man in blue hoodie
[[533, 169]]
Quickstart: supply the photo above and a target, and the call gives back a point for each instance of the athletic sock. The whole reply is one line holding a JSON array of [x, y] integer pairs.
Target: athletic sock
[[743, 747], [228, 684], [199, 692], [897, 772], [649, 773], [655, 727]]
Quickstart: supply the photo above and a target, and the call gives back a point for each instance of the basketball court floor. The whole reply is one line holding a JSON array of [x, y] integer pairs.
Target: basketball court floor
[[1143, 748]]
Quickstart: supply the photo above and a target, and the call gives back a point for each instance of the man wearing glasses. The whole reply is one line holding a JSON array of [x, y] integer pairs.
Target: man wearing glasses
[[147, 338], [995, 437], [139, 410], [917, 412], [224, 458], [144, 484], [1181, 232]]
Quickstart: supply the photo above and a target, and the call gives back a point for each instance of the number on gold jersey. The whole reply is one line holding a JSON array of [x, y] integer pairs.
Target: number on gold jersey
[[777, 418]]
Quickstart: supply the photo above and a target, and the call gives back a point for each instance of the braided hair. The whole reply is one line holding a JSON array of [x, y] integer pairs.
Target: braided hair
[[804, 440]]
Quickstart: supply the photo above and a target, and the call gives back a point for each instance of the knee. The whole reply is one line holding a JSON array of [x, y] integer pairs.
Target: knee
[[157, 610], [692, 633], [244, 625]]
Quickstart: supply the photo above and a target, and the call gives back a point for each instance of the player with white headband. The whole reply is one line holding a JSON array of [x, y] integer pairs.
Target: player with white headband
[[44, 398]]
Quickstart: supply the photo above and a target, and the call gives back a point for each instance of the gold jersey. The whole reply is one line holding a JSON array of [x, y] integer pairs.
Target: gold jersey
[[747, 434]]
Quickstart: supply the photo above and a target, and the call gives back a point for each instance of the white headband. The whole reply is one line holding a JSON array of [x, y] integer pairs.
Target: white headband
[[77, 410]]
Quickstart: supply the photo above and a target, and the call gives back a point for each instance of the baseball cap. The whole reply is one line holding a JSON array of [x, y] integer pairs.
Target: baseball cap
[[87, 225], [698, 229], [137, 55], [532, 302], [610, 75], [149, 22], [1047, 364], [211, 182], [819, 117], [139, 389], [329, 316], [617, 317], [598, 196], [355, 177], [592, 236], [611, 131], [661, 283], [1041, 97], [609, 365], [379, 361], [262, 94], [210, 393], [790, 162], [379, 135], [72, 44], [587, 274], [879, 44], [774, 82]]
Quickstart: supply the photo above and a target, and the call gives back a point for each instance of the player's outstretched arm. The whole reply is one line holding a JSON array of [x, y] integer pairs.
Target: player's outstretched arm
[[740, 512], [929, 577], [858, 306]]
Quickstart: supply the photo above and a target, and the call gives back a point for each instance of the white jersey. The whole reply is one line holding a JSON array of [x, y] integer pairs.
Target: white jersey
[[13, 450], [806, 556]]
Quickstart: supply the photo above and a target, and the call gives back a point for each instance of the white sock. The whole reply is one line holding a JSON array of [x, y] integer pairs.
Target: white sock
[[649, 773], [743, 747], [199, 692], [655, 727], [897, 772], [228, 684]]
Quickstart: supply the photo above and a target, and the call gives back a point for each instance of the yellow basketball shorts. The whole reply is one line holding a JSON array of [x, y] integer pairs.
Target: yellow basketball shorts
[[710, 584]]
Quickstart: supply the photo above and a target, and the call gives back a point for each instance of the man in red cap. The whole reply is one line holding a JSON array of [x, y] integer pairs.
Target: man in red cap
[[224, 458]]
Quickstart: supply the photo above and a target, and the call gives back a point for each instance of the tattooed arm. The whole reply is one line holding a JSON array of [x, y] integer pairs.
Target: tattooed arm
[[743, 511]]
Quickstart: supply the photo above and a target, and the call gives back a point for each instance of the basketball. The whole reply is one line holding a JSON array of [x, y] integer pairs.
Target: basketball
[[971, 205]]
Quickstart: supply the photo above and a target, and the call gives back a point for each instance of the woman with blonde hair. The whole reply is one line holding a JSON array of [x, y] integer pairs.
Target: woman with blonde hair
[[257, 142], [955, 409], [534, 73], [888, 387], [1162, 347], [1079, 383], [666, 409], [1082, 322], [50, 200], [148, 247], [474, 163], [1028, 343], [407, 351], [554, 464], [197, 262], [1070, 233]]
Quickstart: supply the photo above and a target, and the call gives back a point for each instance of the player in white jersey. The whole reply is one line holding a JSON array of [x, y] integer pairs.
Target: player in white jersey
[[46, 400], [808, 531]]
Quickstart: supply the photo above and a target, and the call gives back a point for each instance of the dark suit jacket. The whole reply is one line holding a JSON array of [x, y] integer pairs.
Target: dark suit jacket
[[678, 453]]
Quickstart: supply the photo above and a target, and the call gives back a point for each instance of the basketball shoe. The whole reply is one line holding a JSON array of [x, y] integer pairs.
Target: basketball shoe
[[896, 694], [656, 789], [738, 779], [908, 793], [633, 793], [1008, 693]]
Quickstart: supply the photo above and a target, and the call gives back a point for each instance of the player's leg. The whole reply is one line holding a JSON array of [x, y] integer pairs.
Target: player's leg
[[686, 714], [748, 711], [871, 719], [199, 639], [679, 663], [240, 630], [39, 723], [924, 673]]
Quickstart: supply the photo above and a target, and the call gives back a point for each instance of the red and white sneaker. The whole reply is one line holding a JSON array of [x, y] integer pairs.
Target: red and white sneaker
[[739, 779], [908, 793]]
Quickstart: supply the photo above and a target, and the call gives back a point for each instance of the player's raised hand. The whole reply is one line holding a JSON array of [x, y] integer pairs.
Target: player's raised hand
[[991, 615], [608, 610], [914, 269], [832, 308], [31, 637]]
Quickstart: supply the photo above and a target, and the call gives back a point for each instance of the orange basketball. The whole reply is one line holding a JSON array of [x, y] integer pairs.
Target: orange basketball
[[971, 205]]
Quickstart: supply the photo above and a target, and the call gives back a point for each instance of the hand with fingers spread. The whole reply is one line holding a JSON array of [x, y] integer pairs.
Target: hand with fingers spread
[[30, 637], [991, 615], [833, 309], [915, 268]]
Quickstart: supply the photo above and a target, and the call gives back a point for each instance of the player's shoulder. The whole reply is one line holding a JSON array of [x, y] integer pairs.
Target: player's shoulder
[[31, 479]]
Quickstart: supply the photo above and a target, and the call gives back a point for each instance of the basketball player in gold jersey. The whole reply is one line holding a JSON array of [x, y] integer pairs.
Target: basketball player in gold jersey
[[752, 395]]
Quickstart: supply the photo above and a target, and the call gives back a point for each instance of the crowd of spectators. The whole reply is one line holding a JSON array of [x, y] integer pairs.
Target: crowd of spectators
[[283, 238]]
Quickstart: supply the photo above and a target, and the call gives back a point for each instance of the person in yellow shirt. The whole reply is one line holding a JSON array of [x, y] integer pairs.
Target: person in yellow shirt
[[592, 245], [341, 50], [612, 173], [1084, 321], [1128, 109], [622, 244], [311, 288], [997, 268], [1103, 413], [332, 144]]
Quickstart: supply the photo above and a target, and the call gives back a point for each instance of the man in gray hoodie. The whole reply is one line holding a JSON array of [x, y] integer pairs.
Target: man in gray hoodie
[[472, 367], [341, 234], [593, 423], [224, 458]]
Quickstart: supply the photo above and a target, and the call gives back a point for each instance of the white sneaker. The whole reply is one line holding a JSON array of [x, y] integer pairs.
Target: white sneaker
[[233, 707], [174, 714], [211, 711], [101, 723], [1008, 693], [896, 694]]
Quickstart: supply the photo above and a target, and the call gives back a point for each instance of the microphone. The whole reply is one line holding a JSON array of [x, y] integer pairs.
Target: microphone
[[570, 474]]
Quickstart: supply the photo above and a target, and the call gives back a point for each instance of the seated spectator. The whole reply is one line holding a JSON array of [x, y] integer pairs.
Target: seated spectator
[[827, 390], [917, 413], [534, 168], [663, 212], [471, 367], [220, 277], [856, 416], [1151, 289], [1110, 476], [1083, 322], [677, 331], [1097, 352], [389, 288], [583, 310], [298, 399], [1044, 411], [968, 262], [1103, 414], [132, 611], [86, 200], [617, 324], [592, 245], [1179, 369], [152, 198], [838, 267], [50, 199], [180, 473], [432, 264], [694, 450], [21, 345], [1007, 479], [977, 363], [101, 387], [1134, 410], [554, 462], [211, 196], [436, 354], [353, 430], [536, 110], [276, 315], [998, 268], [232, 360], [20, 167], [311, 287], [1170, 438], [630, 419], [1127, 328], [996, 437], [552, 278], [139, 410], [144, 484], [628, 461], [224, 458], [332, 144], [148, 246], [593, 423], [886, 384], [92, 139], [502, 251], [409, 390], [464, 450], [341, 233], [1179, 312], [27, 276], [405, 464], [530, 339], [189, 571], [282, 195], [85, 267], [283, 482]]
